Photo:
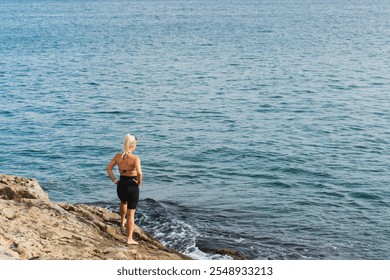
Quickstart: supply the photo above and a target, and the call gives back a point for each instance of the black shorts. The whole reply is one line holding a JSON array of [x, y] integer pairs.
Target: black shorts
[[128, 191]]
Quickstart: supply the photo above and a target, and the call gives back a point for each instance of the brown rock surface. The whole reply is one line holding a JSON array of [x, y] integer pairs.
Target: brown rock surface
[[33, 227]]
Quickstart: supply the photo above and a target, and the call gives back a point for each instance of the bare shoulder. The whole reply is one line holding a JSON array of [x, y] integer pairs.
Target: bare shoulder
[[117, 156]]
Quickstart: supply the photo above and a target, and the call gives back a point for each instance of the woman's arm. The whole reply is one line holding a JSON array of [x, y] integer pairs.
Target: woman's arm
[[109, 168], [139, 171]]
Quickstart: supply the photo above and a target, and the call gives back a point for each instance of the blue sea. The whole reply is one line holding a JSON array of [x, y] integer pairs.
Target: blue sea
[[263, 125]]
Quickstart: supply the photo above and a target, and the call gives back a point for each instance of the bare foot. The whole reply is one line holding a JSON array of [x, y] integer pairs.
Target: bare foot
[[132, 242]]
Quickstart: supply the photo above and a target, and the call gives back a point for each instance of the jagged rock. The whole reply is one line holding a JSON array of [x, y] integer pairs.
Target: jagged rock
[[19, 189], [235, 255], [33, 227]]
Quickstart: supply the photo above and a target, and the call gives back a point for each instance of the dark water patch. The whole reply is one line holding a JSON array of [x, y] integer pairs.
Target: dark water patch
[[116, 112], [365, 196], [308, 202], [8, 113], [259, 176], [278, 184], [206, 45], [266, 31], [331, 194], [301, 171]]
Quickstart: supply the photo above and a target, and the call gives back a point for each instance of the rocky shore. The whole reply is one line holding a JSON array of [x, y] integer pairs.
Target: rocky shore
[[33, 227]]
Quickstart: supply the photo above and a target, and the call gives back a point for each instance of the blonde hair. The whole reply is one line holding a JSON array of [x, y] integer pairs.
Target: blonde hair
[[128, 142]]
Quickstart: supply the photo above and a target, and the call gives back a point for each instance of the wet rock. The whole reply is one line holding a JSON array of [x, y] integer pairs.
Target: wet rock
[[236, 255]]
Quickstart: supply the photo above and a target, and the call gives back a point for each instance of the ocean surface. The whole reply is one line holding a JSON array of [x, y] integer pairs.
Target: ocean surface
[[263, 126]]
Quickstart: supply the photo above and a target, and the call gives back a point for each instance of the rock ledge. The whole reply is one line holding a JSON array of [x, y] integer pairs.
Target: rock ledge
[[33, 227]]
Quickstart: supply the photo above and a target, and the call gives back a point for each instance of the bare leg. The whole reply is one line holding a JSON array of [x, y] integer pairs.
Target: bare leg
[[130, 227], [122, 211]]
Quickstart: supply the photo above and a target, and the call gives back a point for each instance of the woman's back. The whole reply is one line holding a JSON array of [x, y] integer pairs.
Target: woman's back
[[126, 164]]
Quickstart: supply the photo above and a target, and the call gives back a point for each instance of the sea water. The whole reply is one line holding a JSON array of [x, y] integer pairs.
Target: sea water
[[263, 125]]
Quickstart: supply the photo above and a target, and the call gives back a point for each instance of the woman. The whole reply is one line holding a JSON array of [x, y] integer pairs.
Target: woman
[[130, 179]]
